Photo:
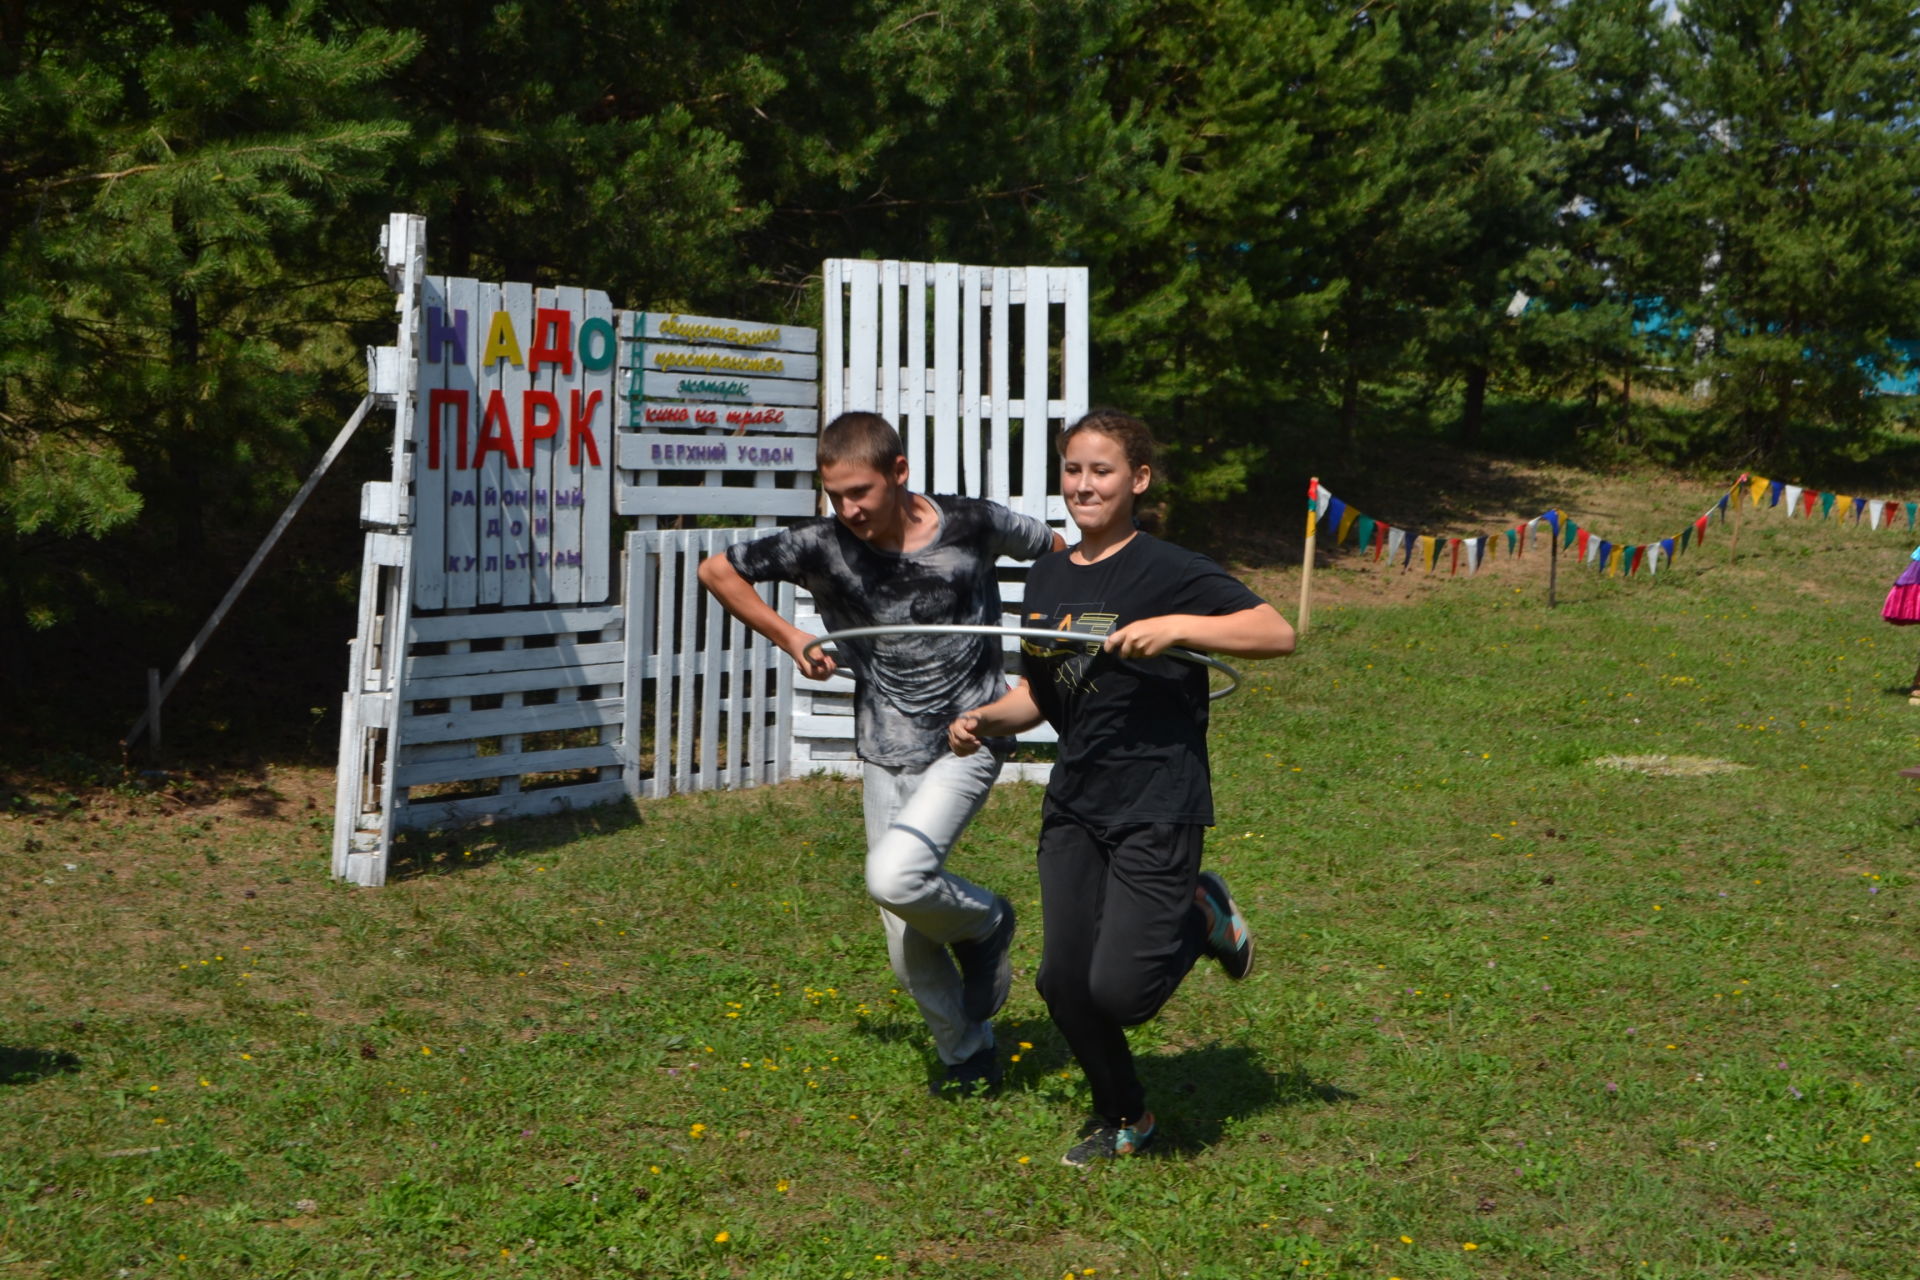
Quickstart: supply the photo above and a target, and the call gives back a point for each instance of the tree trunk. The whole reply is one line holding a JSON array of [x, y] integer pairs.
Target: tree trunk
[[1350, 403], [183, 446], [1473, 411]]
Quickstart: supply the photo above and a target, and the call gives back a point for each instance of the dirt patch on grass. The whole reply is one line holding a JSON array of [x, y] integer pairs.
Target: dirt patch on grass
[[1660, 766]]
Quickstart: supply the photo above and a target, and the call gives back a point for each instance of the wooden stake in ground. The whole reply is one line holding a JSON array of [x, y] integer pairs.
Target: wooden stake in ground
[[1306, 561], [1553, 560], [1739, 492]]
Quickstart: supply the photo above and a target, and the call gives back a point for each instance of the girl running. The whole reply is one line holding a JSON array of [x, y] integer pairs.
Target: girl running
[[1125, 906]]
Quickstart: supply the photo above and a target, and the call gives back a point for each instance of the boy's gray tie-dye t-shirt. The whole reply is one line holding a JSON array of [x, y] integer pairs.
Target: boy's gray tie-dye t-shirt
[[910, 686]]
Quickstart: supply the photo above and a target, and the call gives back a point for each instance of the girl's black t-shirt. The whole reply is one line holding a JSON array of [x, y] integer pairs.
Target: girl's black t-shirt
[[1133, 732]]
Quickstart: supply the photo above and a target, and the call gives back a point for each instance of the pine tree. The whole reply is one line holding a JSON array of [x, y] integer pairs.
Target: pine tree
[[165, 221], [1799, 177]]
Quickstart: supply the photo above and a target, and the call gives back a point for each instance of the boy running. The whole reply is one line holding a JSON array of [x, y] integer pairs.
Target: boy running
[[888, 555]]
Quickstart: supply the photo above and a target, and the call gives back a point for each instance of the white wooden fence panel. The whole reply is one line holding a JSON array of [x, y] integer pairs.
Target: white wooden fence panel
[[678, 362], [671, 326], [423, 772], [565, 477], [483, 626], [890, 341], [432, 483], [599, 408], [707, 500], [716, 687], [488, 662], [504, 682], [863, 337], [951, 450], [947, 331], [481, 585], [833, 338], [657, 451], [441, 748], [1008, 369], [999, 449], [1035, 473], [913, 375], [463, 522], [515, 574], [689, 653], [1073, 354], [783, 419], [542, 802], [453, 726]]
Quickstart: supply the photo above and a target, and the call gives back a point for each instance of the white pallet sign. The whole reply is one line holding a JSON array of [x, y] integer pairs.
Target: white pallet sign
[[694, 387], [979, 368]]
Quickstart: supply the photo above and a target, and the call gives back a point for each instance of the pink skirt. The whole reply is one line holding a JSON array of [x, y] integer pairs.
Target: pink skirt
[[1902, 608]]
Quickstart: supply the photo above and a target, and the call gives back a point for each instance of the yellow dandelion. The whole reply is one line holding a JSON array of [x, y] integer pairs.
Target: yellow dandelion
[[781, 1186], [697, 1130], [425, 1052], [723, 1237], [653, 1168], [1406, 1239], [1026, 1160], [1469, 1246]]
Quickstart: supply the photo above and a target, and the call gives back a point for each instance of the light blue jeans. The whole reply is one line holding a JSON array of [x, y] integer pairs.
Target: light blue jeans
[[914, 816]]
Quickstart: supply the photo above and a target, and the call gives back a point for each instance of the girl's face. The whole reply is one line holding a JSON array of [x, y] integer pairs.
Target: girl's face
[[1098, 484]]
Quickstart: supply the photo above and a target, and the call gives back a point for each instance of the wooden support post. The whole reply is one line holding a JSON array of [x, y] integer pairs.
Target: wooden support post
[[153, 712], [1553, 562], [150, 721], [1739, 492], [1306, 561]]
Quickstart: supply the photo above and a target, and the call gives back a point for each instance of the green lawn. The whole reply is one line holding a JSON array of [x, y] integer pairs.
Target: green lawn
[[1516, 1014]]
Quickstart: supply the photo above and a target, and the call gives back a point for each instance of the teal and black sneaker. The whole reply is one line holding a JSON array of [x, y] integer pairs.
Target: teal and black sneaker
[[1230, 941], [1101, 1140]]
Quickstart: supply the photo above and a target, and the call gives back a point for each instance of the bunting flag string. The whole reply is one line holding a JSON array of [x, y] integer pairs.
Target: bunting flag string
[[1408, 548]]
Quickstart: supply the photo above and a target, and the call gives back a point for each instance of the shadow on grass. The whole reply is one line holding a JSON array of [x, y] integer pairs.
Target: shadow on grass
[[1194, 1093], [30, 1066], [417, 854], [1197, 1092]]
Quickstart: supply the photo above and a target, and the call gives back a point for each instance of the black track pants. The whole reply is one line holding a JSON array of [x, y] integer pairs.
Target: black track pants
[[1121, 932]]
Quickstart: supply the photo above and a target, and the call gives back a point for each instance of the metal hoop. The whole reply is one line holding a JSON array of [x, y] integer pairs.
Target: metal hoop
[[1027, 633]]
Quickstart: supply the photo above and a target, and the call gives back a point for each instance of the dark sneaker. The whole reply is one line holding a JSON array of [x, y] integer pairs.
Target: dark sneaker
[[1230, 942], [986, 967], [1104, 1141], [977, 1075]]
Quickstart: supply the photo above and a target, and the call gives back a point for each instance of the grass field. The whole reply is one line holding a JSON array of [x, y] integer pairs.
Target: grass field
[[1517, 1013]]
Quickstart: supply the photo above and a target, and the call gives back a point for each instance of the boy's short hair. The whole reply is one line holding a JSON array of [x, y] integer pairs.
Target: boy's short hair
[[864, 438]]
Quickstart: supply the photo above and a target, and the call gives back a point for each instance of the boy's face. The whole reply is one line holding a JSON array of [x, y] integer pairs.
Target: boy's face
[[868, 501]]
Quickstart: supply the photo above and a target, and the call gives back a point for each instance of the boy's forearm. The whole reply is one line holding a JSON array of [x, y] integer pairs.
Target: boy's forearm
[[740, 599]]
